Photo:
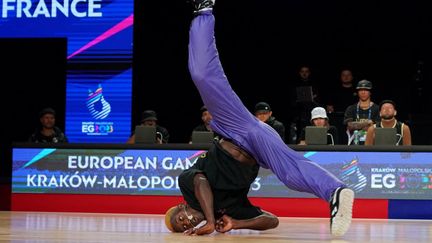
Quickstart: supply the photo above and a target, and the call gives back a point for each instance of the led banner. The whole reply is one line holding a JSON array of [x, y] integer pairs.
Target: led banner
[[384, 175], [99, 37]]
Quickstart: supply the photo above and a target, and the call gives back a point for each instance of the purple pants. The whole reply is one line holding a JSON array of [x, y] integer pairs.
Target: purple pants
[[233, 120]]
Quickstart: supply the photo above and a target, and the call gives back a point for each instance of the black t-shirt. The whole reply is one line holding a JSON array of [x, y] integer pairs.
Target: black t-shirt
[[355, 113], [229, 180], [162, 132], [57, 137]]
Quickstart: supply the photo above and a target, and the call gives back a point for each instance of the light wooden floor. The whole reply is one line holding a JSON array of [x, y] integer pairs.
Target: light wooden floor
[[84, 227]]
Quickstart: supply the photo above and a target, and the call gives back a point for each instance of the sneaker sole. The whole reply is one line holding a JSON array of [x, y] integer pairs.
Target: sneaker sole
[[342, 220]]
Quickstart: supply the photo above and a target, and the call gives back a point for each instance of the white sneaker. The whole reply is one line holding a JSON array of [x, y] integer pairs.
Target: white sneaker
[[202, 5], [341, 206]]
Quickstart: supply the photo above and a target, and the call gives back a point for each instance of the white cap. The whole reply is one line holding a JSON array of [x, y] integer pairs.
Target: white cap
[[318, 112]]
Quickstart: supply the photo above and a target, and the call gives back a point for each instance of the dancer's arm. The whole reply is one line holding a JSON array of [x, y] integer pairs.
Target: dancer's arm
[[264, 221], [205, 198]]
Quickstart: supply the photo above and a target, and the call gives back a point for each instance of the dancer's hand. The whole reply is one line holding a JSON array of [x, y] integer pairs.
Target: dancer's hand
[[207, 228], [224, 224]]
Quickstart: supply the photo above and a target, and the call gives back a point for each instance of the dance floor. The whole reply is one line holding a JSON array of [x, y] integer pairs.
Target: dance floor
[[91, 227]]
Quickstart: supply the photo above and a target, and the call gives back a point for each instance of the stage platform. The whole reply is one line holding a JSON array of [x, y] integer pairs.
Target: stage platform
[[92, 227]]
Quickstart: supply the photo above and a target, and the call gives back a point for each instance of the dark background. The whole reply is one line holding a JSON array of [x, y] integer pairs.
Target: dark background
[[262, 44], [33, 74]]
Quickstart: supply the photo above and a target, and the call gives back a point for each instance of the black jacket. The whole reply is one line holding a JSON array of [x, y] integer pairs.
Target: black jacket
[[57, 137], [278, 126], [162, 132]]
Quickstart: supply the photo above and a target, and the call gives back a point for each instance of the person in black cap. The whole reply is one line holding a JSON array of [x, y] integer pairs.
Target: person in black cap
[[48, 132], [361, 115], [149, 118], [206, 117], [264, 113]]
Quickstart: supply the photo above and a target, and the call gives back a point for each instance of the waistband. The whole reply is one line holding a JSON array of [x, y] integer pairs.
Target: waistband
[[236, 152]]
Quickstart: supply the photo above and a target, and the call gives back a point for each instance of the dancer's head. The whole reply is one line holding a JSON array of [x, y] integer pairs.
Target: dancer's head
[[182, 217]]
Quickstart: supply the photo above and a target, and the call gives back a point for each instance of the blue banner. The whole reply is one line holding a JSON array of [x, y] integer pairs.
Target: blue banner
[[383, 175], [99, 59]]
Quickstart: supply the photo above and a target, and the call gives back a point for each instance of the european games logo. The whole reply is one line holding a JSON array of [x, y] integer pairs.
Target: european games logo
[[99, 109], [352, 176]]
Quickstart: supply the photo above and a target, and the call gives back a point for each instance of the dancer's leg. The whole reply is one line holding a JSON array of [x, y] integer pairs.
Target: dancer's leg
[[231, 118]]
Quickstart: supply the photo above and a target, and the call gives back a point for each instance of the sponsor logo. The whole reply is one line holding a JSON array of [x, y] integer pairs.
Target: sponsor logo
[[97, 105], [352, 176]]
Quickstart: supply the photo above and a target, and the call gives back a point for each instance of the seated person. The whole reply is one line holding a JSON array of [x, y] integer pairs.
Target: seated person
[[264, 113], [149, 118], [388, 119], [206, 117], [319, 118], [48, 132]]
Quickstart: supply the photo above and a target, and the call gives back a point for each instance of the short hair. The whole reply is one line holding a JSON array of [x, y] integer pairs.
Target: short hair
[[387, 102]]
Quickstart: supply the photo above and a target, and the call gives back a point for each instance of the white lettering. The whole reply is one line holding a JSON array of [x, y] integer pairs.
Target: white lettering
[[389, 181], [25, 10], [380, 181], [167, 182], [94, 162], [50, 9], [72, 160], [6, 7], [75, 180], [127, 162], [92, 7], [151, 163], [139, 164], [155, 180], [53, 182], [64, 9], [132, 183], [165, 165], [144, 184], [41, 9], [106, 162], [89, 181], [376, 181], [63, 180], [122, 183], [74, 9], [256, 185], [109, 182], [178, 164], [30, 180], [42, 179]]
